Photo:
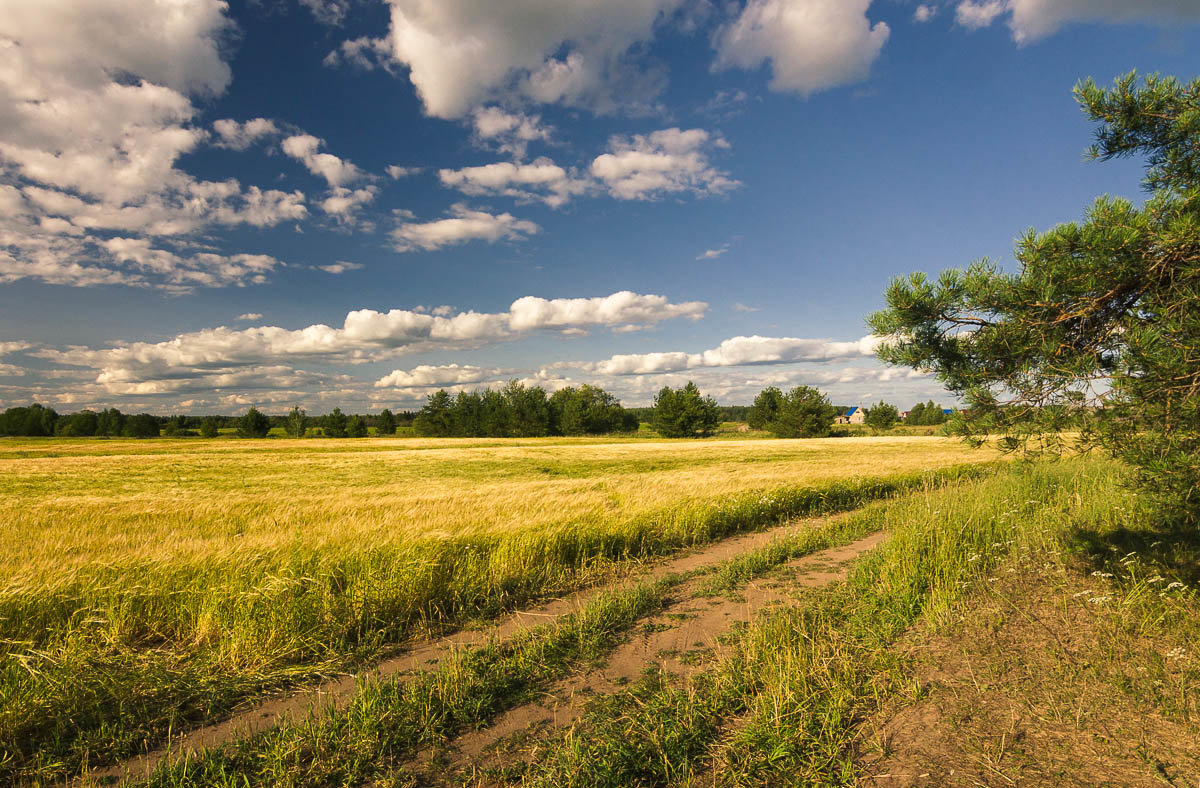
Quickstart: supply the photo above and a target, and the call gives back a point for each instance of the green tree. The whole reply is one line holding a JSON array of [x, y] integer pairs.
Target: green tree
[[494, 415], [335, 423], [588, 410], [883, 416], [110, 422], [208, 428], [143, 425], [253, 425], [435, 419], [356, 427], [385, 423], [78, 425], [31, 421], [684, 413], [530, 410], [804, 412], [296, 423], [1098, 331], [765, 408]]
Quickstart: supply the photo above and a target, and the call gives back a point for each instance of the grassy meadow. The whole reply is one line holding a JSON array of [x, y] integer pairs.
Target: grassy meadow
[[149, 585], [1095, 603]]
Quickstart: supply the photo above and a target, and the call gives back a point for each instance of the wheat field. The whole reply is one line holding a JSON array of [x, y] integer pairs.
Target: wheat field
[[154, 584]]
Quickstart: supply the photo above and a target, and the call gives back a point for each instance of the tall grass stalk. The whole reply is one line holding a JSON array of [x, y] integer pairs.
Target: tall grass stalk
[[104, 662], [781, 704]]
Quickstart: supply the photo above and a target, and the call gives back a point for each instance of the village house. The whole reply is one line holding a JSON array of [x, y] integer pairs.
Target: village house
[[853, 416]]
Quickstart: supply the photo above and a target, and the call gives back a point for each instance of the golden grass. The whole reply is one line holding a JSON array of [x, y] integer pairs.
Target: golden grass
[[73, 504]]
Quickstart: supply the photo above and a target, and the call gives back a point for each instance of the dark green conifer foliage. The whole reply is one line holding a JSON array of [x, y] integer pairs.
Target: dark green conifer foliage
[[208, 428], [684, 413], [385, 423], [254, 424], [356, 427], [882, 416], [1099, 329], [804, 412], [296, 423], [335, 423], [765, 408]]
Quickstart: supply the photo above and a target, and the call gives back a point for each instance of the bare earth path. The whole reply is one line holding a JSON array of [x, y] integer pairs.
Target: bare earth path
[[337, 693], [693, 623]]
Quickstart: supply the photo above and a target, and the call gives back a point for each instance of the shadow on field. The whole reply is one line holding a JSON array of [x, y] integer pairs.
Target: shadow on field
[[1172, 548]]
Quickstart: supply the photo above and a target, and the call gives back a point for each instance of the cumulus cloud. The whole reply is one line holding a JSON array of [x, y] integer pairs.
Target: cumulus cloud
[[340, 267], [366, 52], [364, 335], [305, 148], [343, 204], [812, 44], [461, 52], [443, 375], [735, 352], [974, 15], [98, 100], [924, 13], [506, 131], [396, 172], [250, 316], [649, 166], [14, 347], [541, 179], [240, 136], [1031, 20], [462, 225]]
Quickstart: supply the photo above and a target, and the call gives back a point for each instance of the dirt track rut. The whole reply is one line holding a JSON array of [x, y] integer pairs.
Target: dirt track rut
[[337, 693]]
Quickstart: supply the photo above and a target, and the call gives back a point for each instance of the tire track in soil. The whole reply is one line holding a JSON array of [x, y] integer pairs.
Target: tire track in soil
[[337, 693], [692, 623]]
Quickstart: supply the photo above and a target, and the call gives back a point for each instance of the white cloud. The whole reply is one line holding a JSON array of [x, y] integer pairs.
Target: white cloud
[[365, 335], [396, 172], [365, 52], [460, 52], [240, 136], [443, 375], [250, 316], [343, 204], [1034, 19], [98, 112], [649, 166], [327, 12], [203, 269], [713, 254], [304, 149], [508, 132], [924, 13], [738, 306], [340, 267], [974, 15], [461, 226], [541, 179], [14, 347], [812, 44], [734, 352]]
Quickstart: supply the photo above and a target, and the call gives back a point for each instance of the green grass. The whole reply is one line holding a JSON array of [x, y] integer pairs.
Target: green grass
[[387, 723], [780, 708]]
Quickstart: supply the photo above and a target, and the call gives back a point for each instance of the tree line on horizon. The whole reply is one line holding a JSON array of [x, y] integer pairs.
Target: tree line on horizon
[[514, 411]]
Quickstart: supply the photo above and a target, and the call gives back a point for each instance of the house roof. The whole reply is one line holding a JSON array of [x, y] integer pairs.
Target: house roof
[[849, 412]]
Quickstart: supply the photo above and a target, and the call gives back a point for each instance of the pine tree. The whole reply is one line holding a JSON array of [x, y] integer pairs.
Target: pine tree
[[1098, 332]]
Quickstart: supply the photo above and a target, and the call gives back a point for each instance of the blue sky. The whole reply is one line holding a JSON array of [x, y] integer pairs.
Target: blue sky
[[206, 206]]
